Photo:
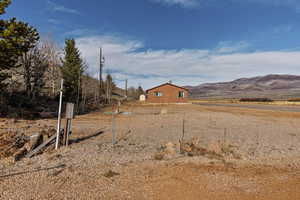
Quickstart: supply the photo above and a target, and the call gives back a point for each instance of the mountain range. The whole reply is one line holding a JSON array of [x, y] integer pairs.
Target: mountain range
[[270, 86]]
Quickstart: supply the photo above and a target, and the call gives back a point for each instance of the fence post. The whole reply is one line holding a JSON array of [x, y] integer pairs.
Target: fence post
[[225, 137], [113, 124], [69, 116], [181, 140], [59, 114]]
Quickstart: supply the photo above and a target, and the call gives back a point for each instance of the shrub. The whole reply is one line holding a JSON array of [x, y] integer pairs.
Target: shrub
[[256, 100], [294, 100]]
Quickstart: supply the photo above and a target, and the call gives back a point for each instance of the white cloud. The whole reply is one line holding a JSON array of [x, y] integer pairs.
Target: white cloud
[[230, 47], [125, 59], [184, 3], [60, 8]]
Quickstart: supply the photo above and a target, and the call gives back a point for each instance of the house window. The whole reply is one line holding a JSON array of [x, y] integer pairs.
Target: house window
[[158, 94], [181, 94]]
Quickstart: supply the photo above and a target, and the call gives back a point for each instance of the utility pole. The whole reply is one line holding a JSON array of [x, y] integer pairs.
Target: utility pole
[[126, 82], [108, 88], [100, 73]]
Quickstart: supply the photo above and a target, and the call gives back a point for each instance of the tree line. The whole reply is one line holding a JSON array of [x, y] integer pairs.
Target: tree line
[[31, 69]]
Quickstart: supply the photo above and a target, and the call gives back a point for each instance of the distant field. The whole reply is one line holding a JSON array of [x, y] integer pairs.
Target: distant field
[[236, 101]]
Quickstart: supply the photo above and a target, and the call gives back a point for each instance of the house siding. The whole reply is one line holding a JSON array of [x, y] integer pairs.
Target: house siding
[[169, 94]]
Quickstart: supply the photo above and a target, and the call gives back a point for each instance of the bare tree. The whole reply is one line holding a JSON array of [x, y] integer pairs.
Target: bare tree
[[52, 52], [90, 92], [34, 65], [135, 92], [109, 87]]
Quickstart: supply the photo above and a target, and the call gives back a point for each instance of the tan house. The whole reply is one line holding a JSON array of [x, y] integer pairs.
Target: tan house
[[167, 93]]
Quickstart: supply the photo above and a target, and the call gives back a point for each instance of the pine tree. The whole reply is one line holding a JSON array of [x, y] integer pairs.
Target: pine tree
[[3, 5], [16, 38], [140, 91], [110, 86], [72, 71]]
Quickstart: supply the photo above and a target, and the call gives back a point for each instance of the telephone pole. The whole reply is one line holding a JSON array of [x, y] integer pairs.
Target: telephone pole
[[100, 73], [126, 82]]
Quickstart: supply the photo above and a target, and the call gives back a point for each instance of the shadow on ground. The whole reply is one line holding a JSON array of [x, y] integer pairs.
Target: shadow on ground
[[78, 140]]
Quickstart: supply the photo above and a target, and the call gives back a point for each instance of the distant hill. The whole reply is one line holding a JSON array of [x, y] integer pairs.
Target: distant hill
[[270, 86]]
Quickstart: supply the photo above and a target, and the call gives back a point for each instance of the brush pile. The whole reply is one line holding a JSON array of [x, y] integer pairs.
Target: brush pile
[[11, 143], [17, 144], [193, 148]]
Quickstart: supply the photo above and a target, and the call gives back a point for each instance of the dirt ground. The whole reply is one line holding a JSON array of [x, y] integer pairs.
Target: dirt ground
[[257, 106], [261, 159]]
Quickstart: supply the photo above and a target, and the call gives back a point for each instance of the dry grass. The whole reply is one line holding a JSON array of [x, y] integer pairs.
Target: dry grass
[[237, 101], [214, 101], [254, 112]]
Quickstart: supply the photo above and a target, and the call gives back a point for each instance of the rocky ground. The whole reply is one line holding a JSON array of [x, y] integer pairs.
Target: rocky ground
[[162, 152]]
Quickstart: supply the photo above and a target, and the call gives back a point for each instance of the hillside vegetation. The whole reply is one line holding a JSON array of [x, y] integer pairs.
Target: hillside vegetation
[[32, 68], [270, 86]]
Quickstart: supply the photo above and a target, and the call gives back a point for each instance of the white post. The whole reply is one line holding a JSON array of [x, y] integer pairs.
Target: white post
[[59, 114]]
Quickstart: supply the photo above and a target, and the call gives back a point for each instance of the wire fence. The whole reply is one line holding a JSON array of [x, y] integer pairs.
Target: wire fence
[[252, 136]]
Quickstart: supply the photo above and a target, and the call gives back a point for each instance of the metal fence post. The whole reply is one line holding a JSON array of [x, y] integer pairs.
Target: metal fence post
[[113, 124], [59, 114]]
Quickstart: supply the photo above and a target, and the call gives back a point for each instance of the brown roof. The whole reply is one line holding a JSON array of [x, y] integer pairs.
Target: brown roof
[[167, 84]]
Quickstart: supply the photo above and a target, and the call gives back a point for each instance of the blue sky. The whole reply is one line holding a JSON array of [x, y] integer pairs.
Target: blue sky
[[187, 41]]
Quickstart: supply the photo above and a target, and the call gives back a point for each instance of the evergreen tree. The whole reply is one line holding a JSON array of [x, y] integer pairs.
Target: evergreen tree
[[109, 81], [140, 91], [110, 86], [16, 38], [3, 5], [72, 70]]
